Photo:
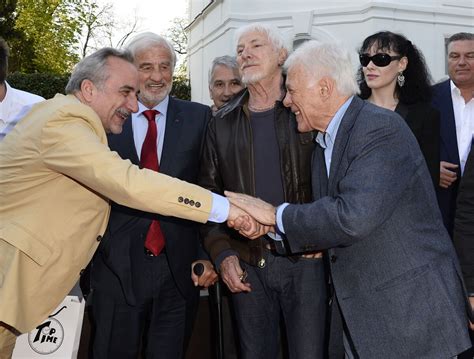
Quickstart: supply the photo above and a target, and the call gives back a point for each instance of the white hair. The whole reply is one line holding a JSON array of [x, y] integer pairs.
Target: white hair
[[326, 59], [146, 40], [274, 36]]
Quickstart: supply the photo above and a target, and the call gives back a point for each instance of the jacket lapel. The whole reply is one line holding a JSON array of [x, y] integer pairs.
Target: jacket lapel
[[448, 123], [342, 137], [174, 123]]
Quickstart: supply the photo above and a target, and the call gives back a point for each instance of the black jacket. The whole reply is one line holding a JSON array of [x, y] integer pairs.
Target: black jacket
[[227, 163], [464, 224], [423, 121], [114, 266]]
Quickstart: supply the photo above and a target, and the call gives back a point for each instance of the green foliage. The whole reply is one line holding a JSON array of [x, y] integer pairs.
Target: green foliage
[[46, 85], [44, 37], [7, 19], [47, 34], [181, 87]]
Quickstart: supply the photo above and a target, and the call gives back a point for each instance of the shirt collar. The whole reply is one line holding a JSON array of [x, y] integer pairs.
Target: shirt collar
[[327, 138], [8, 90], [162, 107], [454, 89]]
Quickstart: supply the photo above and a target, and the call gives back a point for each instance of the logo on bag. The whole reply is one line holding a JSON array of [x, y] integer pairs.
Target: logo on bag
[[48, 336]]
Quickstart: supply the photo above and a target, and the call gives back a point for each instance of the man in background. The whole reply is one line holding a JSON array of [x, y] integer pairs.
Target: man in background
[[252, 146], [453, 98], [12, 100], [140, 296], [224, 81]]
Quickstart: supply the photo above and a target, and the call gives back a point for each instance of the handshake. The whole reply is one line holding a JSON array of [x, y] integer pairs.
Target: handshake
[[250, 216]]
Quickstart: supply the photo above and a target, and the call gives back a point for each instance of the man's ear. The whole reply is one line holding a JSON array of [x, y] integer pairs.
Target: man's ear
[[88, 90], [282, 55], [326, 87]]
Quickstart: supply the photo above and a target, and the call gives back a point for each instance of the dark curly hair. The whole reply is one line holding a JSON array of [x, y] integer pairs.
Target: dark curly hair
[[417, 86]]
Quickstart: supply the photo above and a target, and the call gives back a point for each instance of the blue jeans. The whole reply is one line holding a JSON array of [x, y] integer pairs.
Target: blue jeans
[[296, 290]]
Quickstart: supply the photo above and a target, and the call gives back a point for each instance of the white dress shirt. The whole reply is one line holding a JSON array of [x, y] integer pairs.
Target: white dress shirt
[[464, 118], [12, 104], [220, 204]]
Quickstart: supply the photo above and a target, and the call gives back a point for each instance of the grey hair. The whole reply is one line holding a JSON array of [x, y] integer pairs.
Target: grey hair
[[94, 68], [326, 59], [149, 39], [228, 61], [272, 33], [461, 36]]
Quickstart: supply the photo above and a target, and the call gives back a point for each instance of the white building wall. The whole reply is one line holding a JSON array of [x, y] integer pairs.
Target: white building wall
[[425, 22]]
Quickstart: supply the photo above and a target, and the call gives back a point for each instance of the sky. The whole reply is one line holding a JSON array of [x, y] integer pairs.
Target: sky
[[153, 15]]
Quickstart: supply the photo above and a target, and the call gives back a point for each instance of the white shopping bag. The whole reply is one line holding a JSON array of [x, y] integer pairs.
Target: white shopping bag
[[58, 336]]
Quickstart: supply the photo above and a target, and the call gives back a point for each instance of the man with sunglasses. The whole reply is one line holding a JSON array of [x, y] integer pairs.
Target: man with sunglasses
[[453, 98]]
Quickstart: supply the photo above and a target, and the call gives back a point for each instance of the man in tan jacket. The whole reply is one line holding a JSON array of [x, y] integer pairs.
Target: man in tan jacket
[[57, 175]]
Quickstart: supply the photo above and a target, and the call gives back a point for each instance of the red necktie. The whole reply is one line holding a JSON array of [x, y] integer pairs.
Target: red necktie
[[155, 241]]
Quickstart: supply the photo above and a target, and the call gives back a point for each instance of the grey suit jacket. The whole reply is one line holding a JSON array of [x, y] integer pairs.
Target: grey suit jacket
[[393, 266]]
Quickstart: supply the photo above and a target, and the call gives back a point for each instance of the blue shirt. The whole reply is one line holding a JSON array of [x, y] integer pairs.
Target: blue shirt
[[326, 140]]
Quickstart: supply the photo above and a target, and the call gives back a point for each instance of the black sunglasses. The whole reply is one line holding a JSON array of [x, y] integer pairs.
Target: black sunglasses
[[380, 60]]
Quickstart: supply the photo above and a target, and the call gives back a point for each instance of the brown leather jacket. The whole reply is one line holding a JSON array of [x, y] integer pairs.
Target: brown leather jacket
[[227, 163]]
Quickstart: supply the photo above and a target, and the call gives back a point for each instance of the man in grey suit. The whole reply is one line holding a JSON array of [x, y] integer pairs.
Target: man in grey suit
[[397, 284]]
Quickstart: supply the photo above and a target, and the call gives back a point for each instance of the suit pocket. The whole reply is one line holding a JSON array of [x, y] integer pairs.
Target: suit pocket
[[22, 239], [404, 278]]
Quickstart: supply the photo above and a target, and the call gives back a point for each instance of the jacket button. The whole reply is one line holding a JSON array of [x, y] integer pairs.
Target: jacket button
[[99, 238], [198, 204], [191, 203], [261, 263], [82, 272], [180, 199], [186, 200], [333, 258]]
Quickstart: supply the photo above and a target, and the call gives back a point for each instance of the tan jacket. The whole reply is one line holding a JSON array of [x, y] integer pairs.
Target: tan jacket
[[57, 175]]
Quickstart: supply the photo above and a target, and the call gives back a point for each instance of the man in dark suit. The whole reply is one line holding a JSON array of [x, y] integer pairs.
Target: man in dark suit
[[397, 283], [464, 226], [453, 98], [143, 293], [463, 235]]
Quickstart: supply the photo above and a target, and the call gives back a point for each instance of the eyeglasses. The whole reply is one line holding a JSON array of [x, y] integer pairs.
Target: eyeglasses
[[380, 60]]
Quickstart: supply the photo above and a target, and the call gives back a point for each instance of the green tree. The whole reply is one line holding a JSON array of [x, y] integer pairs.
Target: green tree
[[8, 19], [100, 27], [181, 86], [96, 21], [50, 31], [177, 35]]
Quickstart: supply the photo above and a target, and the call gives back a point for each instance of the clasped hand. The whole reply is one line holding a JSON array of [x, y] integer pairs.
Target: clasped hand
[[251, 216]]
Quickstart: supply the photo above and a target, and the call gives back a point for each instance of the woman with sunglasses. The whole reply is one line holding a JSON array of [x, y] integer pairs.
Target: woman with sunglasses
[[394, 75]]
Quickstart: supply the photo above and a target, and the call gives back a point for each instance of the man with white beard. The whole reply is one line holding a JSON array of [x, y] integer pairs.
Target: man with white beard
[[252, 146]]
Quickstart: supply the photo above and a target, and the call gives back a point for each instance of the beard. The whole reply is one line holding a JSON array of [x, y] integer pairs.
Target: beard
[[252, 78], [153, 98]]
